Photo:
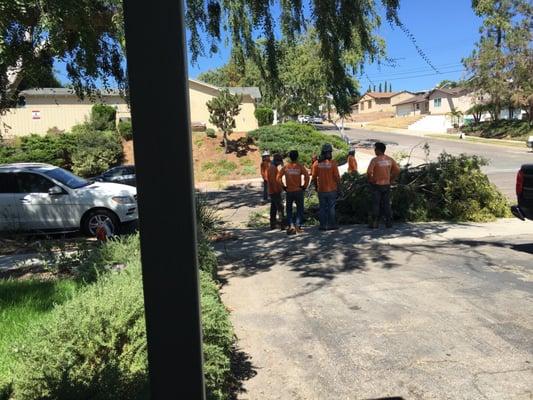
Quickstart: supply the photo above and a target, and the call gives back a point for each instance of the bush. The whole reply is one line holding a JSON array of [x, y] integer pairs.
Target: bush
[[304, 138], [451, 189], [103, 117], [94, 345], [125, 130], [264, 116], [501, 129], [96, 152], [210, 132], [51, 149]]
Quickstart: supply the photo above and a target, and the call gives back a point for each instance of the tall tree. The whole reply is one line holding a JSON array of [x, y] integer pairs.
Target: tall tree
[[496, 64], [386, 89], [380, 87], [223, 109]]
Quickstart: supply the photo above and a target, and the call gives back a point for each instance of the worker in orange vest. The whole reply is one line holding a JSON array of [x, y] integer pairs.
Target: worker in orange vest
[[352, 162], [327, 180], [293, 173], [265, 165], [382, 170], [274, 191]]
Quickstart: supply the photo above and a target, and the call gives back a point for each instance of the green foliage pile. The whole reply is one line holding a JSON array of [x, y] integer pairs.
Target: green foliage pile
[[513, 129], [293, 136], [125, 129], [264, 116], [103, 117], [94, 345], [450, 189]]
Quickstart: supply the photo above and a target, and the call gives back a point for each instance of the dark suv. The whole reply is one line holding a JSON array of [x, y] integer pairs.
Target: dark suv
[[124, 174], [524, 193]]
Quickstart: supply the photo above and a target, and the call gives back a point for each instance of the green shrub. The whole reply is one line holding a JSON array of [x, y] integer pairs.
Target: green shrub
[[451, 189], [96, 151], [94, 345], [125, 129], [304, 138], [512, 129], [103, 117], [264, 116], [210, 132]]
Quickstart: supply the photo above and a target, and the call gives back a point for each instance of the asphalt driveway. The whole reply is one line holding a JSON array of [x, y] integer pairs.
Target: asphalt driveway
[[431, 311]]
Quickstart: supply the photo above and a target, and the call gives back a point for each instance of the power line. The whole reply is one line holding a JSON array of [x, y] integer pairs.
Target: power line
[[411, 71], [432, 74]]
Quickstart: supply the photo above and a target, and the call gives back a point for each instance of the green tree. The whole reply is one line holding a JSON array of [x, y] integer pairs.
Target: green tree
[[504, 49], [223, 109]]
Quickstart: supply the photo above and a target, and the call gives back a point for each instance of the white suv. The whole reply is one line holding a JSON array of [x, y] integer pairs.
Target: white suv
[[41, 197]]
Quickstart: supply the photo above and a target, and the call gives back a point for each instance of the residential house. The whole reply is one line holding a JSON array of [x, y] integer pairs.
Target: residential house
[[373, 102], [415, 105], [60, 108], [445, 100]]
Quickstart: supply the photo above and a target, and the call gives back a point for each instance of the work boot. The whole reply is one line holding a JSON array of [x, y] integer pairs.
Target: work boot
[[273, 225], [299, 229], [388, 224], [374, 224], [291, 230]]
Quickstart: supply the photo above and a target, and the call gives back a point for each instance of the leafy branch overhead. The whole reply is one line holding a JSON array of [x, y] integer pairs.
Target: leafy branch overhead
[[341, 26]]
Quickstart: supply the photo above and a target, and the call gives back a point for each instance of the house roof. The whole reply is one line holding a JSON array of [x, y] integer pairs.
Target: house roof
[[381, 95], [63, 92], [456, 91], [420, 98], [252, 91]]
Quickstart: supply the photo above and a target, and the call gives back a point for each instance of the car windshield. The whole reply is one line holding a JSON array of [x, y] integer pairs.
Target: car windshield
[[65, 177]]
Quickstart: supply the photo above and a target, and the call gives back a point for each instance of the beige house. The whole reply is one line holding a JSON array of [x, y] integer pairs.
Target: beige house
[[415, 105], [444, 101], [373, 102], [60, 108]]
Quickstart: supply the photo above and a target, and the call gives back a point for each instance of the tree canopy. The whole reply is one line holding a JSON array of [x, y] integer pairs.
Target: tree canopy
[[88, 36], [501, 64]]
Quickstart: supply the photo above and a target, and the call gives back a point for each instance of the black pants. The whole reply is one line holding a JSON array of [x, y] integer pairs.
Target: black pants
[[381, 206], [276, 207], [265, 190], [297, 198]]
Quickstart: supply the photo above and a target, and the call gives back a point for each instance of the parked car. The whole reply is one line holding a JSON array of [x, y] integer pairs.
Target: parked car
[[316, 120], [42, 197], [303, 119], [524, 193], [124, 174]]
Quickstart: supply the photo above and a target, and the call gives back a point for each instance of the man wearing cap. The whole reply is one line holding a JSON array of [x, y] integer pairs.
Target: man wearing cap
[[265, 165], [327, 180]]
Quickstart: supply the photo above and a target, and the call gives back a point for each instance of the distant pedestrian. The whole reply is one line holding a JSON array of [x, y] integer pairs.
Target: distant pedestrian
[[274, 191], [381, 172], [297, 180], [327, 180], [352, 162], [265, 165]]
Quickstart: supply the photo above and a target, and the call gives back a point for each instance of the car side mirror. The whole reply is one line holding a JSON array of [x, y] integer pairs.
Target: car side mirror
[[55, 190]]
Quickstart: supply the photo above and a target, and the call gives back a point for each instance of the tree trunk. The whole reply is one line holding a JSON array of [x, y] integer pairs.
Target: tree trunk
[[225, 140]]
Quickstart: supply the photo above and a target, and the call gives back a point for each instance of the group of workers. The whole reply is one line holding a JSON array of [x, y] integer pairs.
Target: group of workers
[[294, 179]]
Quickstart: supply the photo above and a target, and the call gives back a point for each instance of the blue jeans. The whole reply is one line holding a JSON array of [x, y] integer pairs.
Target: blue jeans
[[298, 198], [265, 190], [327, 202]]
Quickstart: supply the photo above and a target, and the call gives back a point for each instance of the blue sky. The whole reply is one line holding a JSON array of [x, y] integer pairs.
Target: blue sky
[[445, 30]]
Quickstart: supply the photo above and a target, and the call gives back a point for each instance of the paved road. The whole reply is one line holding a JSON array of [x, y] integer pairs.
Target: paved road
[[504, 161], [422, 311]]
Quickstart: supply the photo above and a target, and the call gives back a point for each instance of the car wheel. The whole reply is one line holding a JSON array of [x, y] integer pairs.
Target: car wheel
[[97, 217]]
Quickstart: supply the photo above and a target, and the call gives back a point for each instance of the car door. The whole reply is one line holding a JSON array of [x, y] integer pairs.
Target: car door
[[39, 210], [9, 218], [128, 176]]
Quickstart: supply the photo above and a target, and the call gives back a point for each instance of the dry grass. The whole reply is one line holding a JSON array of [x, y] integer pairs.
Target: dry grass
[[397, 122]]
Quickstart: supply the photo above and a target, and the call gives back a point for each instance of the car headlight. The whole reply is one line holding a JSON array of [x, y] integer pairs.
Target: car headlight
[[123, 199]]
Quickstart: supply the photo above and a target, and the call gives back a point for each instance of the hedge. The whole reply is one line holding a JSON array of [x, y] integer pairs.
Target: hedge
[[513, 129], [451, 189], [264, 116], [94, 345], [293, 136]]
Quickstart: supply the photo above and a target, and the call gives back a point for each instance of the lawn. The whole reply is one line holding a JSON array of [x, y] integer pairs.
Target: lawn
[[23, 302]]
